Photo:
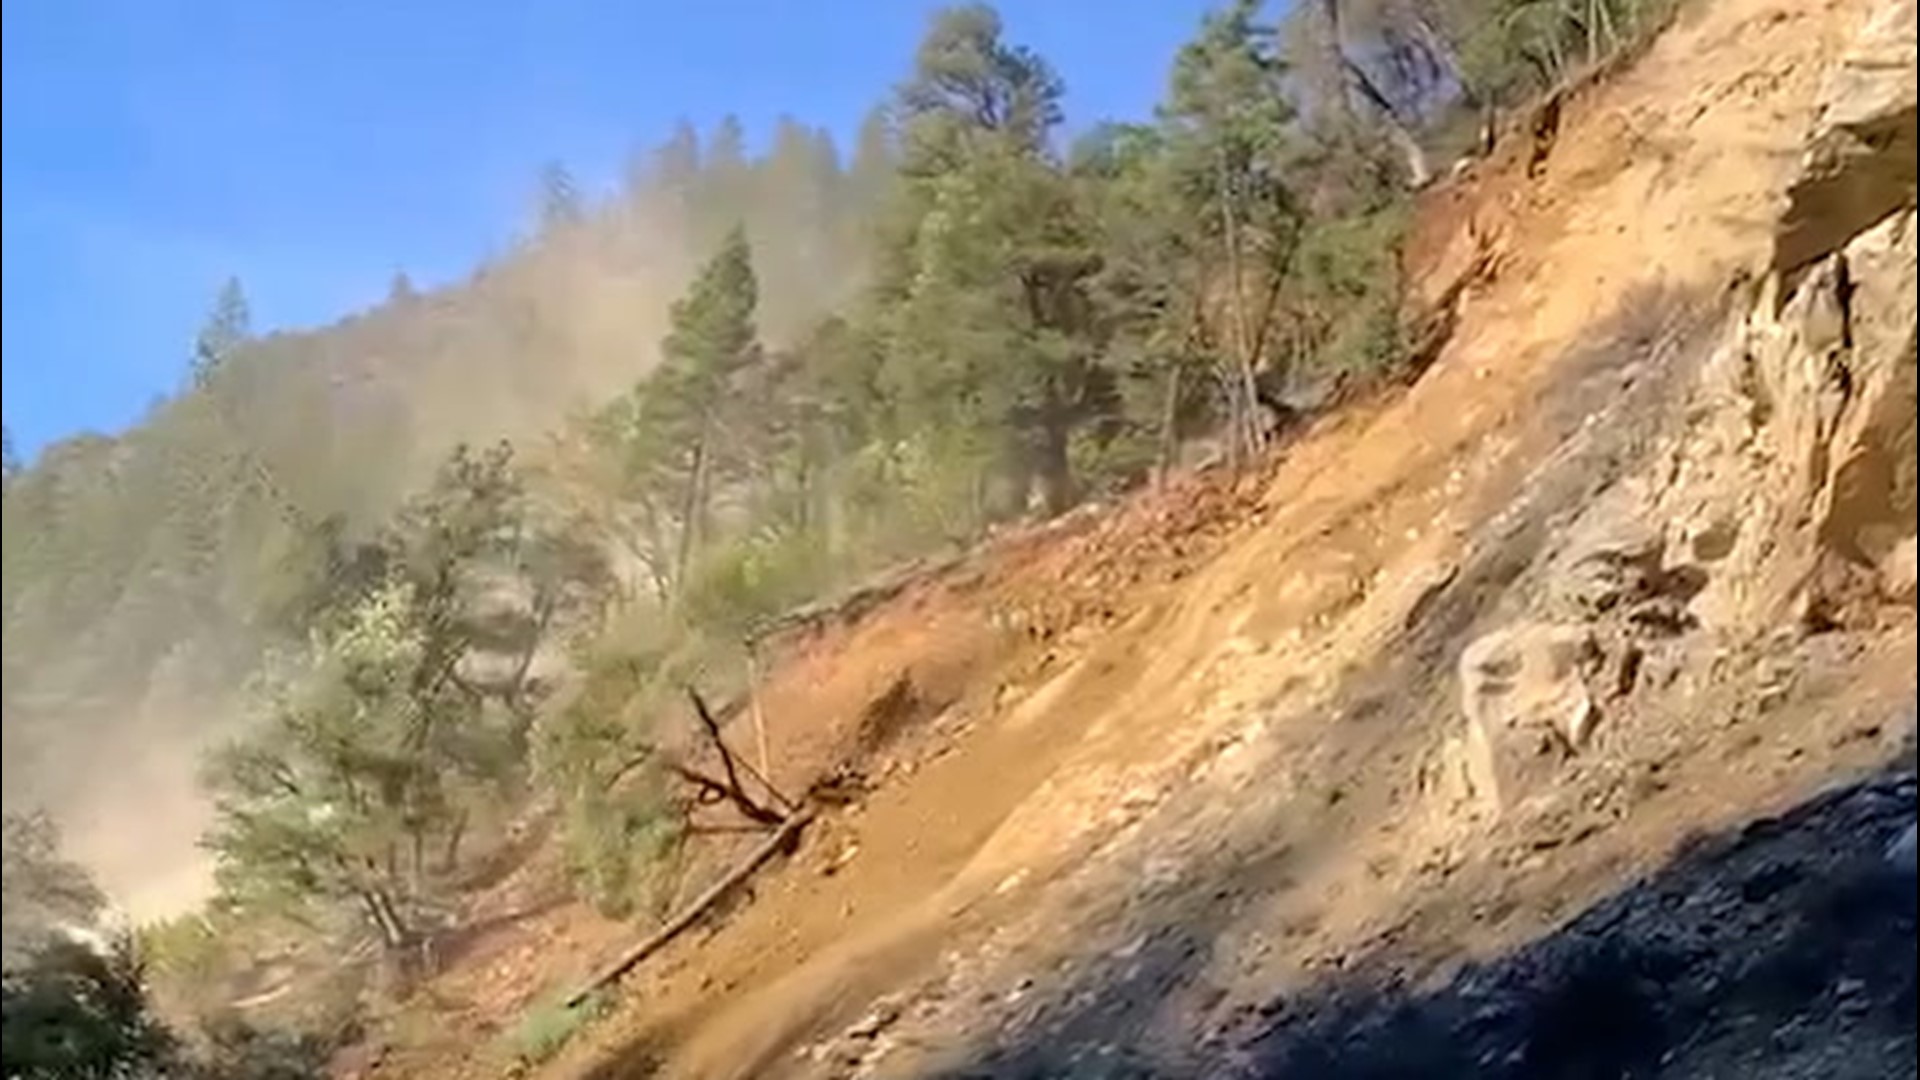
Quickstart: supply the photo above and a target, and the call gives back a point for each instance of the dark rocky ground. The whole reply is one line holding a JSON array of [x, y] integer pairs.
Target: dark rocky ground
[[1783, 950]]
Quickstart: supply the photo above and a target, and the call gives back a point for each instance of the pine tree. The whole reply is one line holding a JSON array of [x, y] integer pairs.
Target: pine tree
[[875, 164], [228, 326], [724, 197], [1228, 119], [967, 80], [669, 173], [713, 338], [400, 289], [560, 203], [985, 282]]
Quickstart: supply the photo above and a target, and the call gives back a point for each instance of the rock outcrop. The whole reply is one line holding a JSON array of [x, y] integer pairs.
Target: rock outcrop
[[1794, 487], [1858, 166]]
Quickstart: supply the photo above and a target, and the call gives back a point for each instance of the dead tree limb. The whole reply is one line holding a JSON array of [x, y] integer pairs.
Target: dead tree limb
[[721, 791], [713, 732], [727, 759], [787, 834]]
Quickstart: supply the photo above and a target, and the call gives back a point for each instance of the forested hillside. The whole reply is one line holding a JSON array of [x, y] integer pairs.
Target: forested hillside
[[146, 572]]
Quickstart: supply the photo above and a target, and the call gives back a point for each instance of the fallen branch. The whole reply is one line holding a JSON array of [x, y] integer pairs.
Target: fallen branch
[[674, 927]]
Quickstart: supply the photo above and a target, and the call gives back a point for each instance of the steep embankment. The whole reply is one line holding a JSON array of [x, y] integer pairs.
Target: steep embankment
[[1632, 562]]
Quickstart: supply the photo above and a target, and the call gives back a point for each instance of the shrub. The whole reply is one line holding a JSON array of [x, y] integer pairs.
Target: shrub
[[549, 1023]]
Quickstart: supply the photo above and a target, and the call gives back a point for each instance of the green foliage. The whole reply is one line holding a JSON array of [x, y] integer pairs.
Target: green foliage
[[969, 85], [1346, 311], [71, 1013], [549, 1023], [237, 1050], [1231, 141], [1227, 99], [147, 575], [687, 423], [753, 578], [358, 783], [1512, 48], [618, 843], [320, 802], [186, 950], [596, 756], [73, 1002], [713, 335], [989, 329]]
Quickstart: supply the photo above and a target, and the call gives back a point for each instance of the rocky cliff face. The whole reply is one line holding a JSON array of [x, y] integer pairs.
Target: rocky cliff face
[[1782, 504]]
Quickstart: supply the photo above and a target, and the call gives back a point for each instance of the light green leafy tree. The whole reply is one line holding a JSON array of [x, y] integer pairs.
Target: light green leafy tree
[[343, 791], [377, 741]]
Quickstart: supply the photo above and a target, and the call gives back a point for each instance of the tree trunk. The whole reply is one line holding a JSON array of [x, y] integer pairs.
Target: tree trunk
[[521, 713], [450, 855], [393, 932], [828, 514], [782, 839], [759, 715], [1270, 313], [1169, 427], [1055, 467], [1240, 412], [417, 873], [691, 512], [653, 550]]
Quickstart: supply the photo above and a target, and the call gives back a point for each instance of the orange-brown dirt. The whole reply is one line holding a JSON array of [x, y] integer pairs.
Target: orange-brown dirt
[[1165, 762]]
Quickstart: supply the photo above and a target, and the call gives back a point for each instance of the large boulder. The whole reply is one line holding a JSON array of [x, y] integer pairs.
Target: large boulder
[[1524, 692]]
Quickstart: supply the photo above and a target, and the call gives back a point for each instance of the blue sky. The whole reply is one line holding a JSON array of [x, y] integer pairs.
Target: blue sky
[[151, 149]]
